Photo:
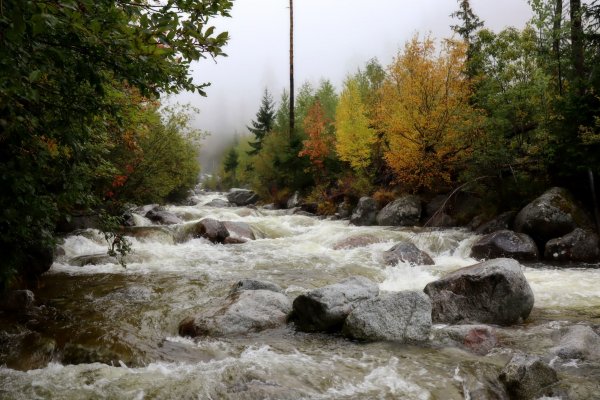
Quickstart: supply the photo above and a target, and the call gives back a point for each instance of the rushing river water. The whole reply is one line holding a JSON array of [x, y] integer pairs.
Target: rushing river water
[[108, 332]]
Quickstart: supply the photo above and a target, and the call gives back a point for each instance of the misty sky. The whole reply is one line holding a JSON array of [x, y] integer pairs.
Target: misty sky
[[332, 38]]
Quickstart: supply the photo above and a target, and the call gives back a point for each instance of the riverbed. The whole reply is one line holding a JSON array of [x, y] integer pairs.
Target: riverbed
[[108, 332]]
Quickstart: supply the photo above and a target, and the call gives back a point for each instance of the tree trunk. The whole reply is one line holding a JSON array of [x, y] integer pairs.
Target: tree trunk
[[291, 69], [577, 44], [556, 36]]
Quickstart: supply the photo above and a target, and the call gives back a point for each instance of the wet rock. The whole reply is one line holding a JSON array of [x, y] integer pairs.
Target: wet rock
[[343, 210], [88, 354], [578, 246], [85, 220], [365, 212], [356, 241], [239, 230], [211, 229], [240, 313], [502, 222], [441, 220], [479, 339], [294, 201], [150, 234], [26, 350], [163, 217], [528, 377], [505, 244], [405, 211], [270, 206], [218, 203], [17, 300], [436, 205], [578, 342], [326, 308], [397, 316], [92, 259], [143, 210], [491, 292], [553, 214], [242, 197], [128, 219], [38, 258], [254, 284], [408, 253]]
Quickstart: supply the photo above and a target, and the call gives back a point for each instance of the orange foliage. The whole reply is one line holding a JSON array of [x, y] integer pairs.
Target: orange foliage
[[319, 143]]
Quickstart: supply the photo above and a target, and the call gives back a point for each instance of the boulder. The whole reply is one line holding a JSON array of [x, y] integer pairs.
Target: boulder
[[17, 300], [479, 339], [143, 210], [242, 197], [343, 210], [437, 205], [38, 258], [365, 212], [505, 244], [92, 259], [294, 201], [528, 377], [408, 253], [211, 229], [163, 217], [242, 312], [552, 215], [89, 220], [254, 284], [491, 292], [150, 234], [405, 211], [441, 220], [128, 219], [502, 222], [578, 246], [356, 241], [218, 203], [579, 341], [397, 316], [239, 230], [74, 354], [326, 308]]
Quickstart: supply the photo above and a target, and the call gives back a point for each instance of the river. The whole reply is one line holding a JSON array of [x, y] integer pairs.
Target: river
[[108, 332]]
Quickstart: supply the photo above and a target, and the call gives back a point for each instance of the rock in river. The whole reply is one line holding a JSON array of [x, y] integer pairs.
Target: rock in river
[[406, 252], [505, 243], [528, 377], [492, 292], [365, 212], [326, 308], [403, 317], [163, 217], [580, 342], [242, 197], [405, 211], [578, 246]]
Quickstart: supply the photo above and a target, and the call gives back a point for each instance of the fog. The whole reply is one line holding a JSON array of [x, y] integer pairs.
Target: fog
[[332, 38]]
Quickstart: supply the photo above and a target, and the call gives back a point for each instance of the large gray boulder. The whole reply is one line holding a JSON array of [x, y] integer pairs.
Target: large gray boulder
[[162, 217], [528, 377], [578, 341], [406, 252], [502, 222], [218, 203], [240, 313], [240, 231], [554, 214], [505, 244], [479, 339], [326, 308], [579, 246], [492, 292], [397, 316], [242, 197], [405, 211], [365, 212], [211, 229], [295, 200]]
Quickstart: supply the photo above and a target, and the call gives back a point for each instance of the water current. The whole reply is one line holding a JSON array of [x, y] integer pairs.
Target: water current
[[108, 332]]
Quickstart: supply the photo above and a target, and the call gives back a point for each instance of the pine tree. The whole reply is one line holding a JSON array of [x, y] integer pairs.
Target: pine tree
[[265, 118], [470, 24]]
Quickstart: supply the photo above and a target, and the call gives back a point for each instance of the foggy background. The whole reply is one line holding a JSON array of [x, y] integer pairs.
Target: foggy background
[[332, 38]]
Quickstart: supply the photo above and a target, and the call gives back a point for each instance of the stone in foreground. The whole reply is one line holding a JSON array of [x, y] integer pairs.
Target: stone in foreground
[[240, 313], [479, 339], [505, 243], [577, 246], [406, 252], [403, 317], [492, 292], [578, 342], [528, 377], [326, 308], [211, 229]]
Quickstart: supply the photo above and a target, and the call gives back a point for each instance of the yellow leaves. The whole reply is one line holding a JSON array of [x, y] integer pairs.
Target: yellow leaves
[[353, 133], [425, 112]]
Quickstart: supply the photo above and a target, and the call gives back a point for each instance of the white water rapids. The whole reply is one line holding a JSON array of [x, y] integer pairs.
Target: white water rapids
[[134, 313]]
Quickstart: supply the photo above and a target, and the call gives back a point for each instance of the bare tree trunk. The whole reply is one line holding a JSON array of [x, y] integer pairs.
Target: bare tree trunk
[[556, 36], [577, 43], [291, 68]]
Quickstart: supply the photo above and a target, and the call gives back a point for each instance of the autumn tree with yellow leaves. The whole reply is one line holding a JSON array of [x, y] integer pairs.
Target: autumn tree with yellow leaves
[[426, 114]]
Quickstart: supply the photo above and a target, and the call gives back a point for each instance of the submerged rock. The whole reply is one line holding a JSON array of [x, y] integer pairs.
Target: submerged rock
[[326, 308], [406, 252], [17, 300], [356, 241], [528, 377], [163, 217], [579, 342], [479, 339], [242, 197], [554, 214], [397, 316], [239, 230], [505, 244], [74, 353], [254, 284], [92, 259], [405, 211], [218, 203], [150, 233], [242, 312], [365, 212], [492, 292], [578, 246]]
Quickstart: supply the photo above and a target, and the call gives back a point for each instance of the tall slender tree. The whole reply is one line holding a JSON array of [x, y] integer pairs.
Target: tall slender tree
[[556, 36], [265, 118], [291, 68], [469, 25], [577, 43]]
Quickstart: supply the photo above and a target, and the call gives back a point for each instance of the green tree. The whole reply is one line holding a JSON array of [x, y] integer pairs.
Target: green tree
[[264, 122], [467, 30]]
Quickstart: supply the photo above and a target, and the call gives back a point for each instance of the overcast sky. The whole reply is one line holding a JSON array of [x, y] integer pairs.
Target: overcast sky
[[332, 38]]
